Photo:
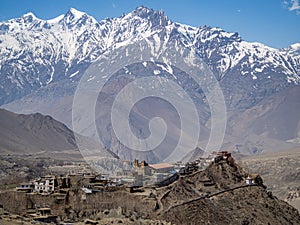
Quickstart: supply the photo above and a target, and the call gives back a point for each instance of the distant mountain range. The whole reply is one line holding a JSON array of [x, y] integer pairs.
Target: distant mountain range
[[41, 62]]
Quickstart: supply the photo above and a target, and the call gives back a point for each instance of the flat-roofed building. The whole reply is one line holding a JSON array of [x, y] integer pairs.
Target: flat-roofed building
[[162, 168]]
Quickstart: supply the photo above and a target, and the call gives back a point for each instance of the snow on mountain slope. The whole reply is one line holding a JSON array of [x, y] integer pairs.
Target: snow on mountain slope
[[41, 62], [35, 52], [293, 55], [224, 51]]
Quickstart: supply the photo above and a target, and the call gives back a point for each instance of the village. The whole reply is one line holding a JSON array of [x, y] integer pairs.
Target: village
[[142, 174], [43, 199]]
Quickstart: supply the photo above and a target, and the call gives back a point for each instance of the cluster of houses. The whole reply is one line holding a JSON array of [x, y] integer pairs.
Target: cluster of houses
[[142, 174], [86, 184]]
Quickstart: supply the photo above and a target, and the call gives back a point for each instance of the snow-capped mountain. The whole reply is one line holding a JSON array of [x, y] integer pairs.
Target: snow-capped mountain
[[41, 61], [35, 52], [293, 55]]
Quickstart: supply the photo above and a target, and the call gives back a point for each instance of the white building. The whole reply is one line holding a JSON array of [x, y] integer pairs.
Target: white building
[[45, 184]]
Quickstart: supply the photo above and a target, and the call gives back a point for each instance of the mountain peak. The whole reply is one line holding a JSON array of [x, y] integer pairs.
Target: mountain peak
[[157, 17], [76, 13], [145, 11], [73, 16], [29, 17], [29, 14], [296, 46]]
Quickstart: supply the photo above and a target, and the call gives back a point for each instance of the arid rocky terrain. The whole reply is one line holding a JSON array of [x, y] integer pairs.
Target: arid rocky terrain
[[280, 171], [216, 195]]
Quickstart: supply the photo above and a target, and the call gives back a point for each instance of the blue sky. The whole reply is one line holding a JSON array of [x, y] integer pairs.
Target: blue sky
[[275, 23]]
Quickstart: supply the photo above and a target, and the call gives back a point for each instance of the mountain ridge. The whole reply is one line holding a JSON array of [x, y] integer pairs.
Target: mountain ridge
[[59, 53], [22, 134], [80, 39], [25, 134]]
